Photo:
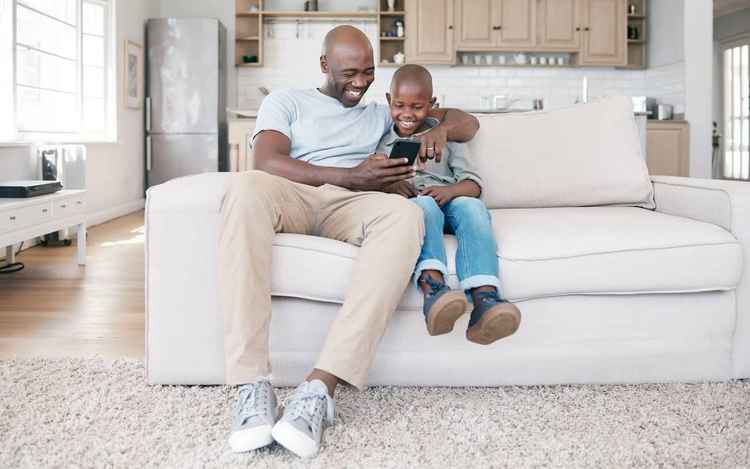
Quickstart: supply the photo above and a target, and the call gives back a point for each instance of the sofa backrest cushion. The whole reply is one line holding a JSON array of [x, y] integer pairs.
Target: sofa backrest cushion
[[584, 155]]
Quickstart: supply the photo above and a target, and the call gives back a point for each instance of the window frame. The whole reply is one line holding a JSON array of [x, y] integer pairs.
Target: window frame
[[109, 133], [730, 43]]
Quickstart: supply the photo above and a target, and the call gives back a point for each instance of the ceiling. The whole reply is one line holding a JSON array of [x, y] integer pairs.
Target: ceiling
[[725, 7]]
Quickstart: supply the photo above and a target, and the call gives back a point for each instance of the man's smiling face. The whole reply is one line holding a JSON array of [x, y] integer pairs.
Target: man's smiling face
[[349, 68]]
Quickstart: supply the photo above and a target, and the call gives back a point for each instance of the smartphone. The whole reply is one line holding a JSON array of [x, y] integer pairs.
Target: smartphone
[[408, 149]]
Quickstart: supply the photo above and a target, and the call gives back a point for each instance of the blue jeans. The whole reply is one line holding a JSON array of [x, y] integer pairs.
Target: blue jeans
[[469, 220]]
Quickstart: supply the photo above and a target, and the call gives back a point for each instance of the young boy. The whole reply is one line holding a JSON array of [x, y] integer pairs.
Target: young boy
[[448, 191]]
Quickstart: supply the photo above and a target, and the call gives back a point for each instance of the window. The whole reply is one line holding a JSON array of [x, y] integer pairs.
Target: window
[[62, 80], [737, 111]]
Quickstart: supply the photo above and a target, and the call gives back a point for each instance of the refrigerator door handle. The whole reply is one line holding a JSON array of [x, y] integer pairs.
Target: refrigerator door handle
[[148, 153], [148, 114]]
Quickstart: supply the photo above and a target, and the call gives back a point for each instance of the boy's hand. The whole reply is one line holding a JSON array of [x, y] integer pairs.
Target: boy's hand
[[403, 188], [441, 194], [433, 142]]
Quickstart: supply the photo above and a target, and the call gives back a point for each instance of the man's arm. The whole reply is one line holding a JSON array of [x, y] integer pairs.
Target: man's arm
[[455, 126], [271, 154], [459, 125]]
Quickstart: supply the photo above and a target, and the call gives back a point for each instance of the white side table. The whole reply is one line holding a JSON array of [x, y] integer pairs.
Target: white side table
[[22, 219]]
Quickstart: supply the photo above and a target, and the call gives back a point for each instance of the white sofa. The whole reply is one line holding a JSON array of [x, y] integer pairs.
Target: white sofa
[[621, 278]]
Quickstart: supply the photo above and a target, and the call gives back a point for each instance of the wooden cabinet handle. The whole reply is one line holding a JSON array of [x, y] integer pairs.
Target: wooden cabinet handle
[[44, 210], [578, 28], [586, 28], [63, 205], [497, 28], [450, 26], [12, 218]]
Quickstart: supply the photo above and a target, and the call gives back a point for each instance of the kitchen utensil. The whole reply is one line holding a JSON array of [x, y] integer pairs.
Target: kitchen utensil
[[664, 112]]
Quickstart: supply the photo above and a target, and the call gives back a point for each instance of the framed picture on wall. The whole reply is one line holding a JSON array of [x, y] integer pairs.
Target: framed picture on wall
[[133, 75]]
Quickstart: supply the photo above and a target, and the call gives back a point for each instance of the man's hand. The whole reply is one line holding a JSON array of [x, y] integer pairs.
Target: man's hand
[[379, 171], [433, 142], [441, 194], [403, 188]]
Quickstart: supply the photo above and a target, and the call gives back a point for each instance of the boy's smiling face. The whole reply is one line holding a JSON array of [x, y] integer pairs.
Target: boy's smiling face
[[410, 102]]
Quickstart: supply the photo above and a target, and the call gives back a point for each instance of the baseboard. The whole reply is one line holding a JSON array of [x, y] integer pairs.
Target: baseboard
[[102, 216]]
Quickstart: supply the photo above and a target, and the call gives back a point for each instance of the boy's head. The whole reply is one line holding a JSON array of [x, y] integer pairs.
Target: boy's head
[[410, 98]]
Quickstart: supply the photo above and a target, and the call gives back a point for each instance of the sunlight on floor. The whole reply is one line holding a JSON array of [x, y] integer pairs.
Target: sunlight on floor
[[139, 235]]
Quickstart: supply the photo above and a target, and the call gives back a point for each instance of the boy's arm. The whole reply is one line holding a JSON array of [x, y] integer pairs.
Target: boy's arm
[[455, 126]]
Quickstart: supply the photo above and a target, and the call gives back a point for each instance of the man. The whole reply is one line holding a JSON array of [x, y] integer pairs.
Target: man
[[317, 175]]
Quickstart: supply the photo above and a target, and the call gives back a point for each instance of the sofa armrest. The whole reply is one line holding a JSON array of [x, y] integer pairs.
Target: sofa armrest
[[726, 204], [198, 193]]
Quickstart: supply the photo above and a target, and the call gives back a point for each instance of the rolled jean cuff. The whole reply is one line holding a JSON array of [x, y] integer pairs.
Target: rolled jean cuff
[[476, 281], [430, 264]]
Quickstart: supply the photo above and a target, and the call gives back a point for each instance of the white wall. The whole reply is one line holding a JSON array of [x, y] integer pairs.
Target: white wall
[[114, 173], [699, 59], [666, 42]]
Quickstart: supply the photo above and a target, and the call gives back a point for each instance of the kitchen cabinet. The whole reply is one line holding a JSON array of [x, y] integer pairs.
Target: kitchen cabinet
[[594, 31], [430, 27], [475, 23], [516, 24], [604, 40], [495, 24], [559, 25], [668, 148]]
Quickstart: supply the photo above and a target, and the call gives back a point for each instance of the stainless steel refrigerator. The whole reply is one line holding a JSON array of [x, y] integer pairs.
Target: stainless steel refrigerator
[[186, 124]]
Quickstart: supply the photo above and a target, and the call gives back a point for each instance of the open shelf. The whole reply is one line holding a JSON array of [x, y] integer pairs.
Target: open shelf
[[637, 48], [320, 14]]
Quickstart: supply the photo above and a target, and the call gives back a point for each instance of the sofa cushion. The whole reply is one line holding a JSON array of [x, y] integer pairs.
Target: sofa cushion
[[585, 155], [617, 250], [548, 252]]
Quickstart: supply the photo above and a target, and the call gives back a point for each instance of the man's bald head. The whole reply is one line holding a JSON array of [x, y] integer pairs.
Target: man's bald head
[[348, 63], [412, 77], [345, 36]]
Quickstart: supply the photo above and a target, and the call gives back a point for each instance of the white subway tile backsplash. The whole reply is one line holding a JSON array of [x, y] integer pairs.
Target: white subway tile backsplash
[[291, 60]]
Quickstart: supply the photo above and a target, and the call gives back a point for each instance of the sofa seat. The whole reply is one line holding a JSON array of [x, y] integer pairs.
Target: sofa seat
[[548, 252]]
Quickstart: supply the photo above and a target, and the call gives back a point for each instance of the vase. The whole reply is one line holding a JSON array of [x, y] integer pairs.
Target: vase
[[391, 5]]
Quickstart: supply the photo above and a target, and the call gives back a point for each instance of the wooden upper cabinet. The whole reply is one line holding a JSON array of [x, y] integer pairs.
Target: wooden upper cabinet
[[516, 24], [429, 37], [495, 24], [559, 25], [605, 40], [475, 23]]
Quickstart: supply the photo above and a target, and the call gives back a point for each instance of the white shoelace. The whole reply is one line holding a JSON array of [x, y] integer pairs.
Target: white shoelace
[[302, 404], [250, 404]]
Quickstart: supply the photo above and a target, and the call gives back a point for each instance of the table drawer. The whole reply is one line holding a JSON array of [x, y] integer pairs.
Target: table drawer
[[27, 216], [67, 207]]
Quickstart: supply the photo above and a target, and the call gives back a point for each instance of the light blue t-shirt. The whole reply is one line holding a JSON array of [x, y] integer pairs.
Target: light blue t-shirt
[[321, 130]]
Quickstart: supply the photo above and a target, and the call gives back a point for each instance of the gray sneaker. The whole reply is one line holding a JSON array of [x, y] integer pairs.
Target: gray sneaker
[[254, 417], [301, 426]]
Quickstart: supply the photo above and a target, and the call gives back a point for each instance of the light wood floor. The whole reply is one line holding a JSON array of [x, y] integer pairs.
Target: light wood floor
[[55, 308]]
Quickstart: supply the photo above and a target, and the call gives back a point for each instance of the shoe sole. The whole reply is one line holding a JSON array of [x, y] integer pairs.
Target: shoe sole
[[448, 308], [250, 439], [294, 440], [499, 322]]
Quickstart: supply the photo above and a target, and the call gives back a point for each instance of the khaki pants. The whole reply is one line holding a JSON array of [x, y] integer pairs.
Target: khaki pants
[[258, 205]]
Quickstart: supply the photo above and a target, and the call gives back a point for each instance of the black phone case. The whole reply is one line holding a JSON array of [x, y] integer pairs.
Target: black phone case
[[408, 149]]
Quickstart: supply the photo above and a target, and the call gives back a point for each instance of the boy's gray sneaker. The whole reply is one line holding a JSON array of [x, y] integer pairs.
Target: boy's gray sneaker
[[254, 416], [306, 412]]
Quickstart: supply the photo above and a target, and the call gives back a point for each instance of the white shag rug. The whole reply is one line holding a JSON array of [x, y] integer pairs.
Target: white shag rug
[[94, 413]]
